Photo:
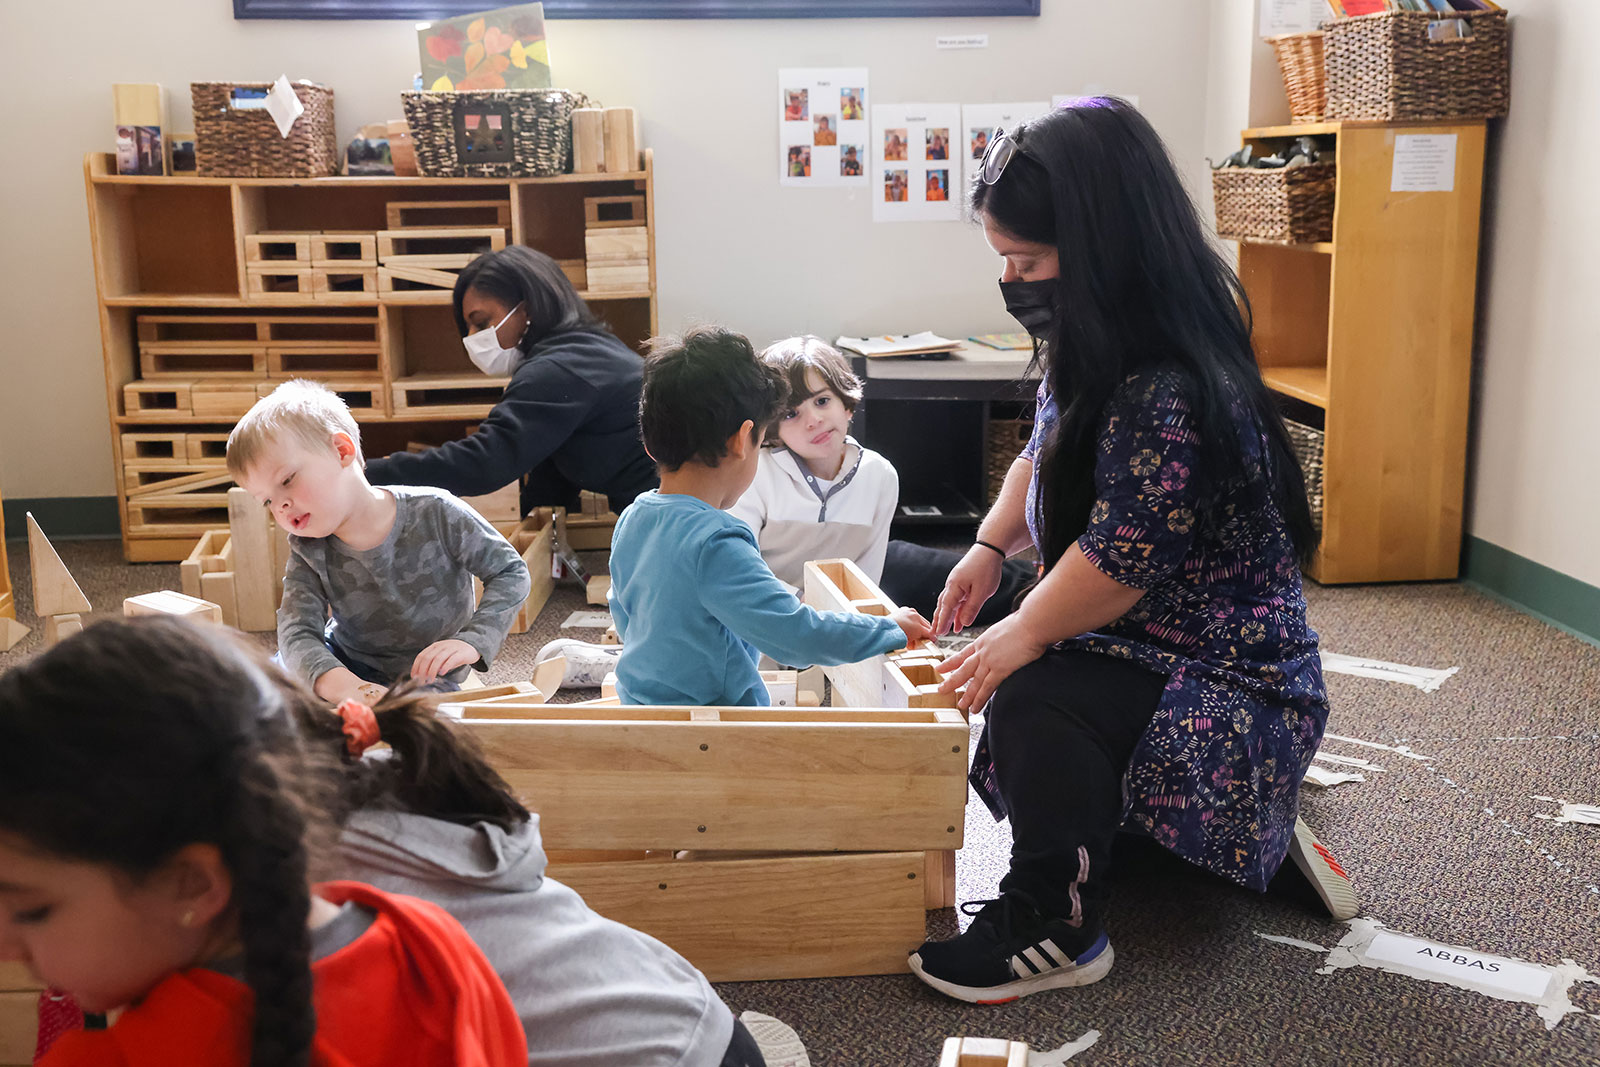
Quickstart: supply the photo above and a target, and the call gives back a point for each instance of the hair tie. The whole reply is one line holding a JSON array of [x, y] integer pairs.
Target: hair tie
[[360, 727]]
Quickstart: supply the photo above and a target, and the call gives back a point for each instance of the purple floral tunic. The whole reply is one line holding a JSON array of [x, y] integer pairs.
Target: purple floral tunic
[[1216, 776]]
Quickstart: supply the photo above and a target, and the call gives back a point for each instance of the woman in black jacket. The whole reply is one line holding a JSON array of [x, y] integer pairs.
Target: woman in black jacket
[[569, 419]]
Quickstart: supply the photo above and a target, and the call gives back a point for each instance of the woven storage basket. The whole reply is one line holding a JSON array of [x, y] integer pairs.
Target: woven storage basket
[[1002, 445], [537, 124], [1283, 205], [1384, 67], [235, 142], [1308, 443], [1300, 60]]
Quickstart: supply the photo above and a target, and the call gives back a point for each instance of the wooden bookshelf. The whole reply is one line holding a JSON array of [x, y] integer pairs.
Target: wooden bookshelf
[[1370, 334], [175, 247]]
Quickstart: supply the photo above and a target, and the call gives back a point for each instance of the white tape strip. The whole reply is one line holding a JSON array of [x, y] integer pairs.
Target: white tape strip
[[1426, 679], [1401, 750], [1324, 778], [1347, 761], [1372, 945], [1056, 1057], [1582, 814]]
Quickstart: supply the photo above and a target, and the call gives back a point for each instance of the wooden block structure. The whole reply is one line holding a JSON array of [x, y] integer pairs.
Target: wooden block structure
[[621, 126], [613, 212], [807, 829], [617, 258], [983, 1052], [588, 140], [56, 596], [534, 540], [341, 347], [424, 260], [239, 569], [437, 214], [19, 1014], [168, 602], [500, 507], [589, 529]]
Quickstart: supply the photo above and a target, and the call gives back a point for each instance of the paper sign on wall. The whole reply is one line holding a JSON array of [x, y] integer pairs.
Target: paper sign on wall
[[1424, 163], [978, 125], [822, 126], [1292, 16], [913, 157]]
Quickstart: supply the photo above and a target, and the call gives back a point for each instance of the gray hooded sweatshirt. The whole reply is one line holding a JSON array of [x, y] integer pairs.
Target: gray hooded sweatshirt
[[591, 992]]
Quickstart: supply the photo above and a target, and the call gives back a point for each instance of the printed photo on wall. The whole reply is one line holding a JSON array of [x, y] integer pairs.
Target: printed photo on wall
[[821, 109], [978, 142], [911, 162], [980, 121]]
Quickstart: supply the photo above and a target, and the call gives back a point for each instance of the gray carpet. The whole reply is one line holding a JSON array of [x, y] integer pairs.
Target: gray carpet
[[1446, 849]]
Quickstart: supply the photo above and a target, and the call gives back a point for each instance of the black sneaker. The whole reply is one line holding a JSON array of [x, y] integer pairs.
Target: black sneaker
[[1010, 951]]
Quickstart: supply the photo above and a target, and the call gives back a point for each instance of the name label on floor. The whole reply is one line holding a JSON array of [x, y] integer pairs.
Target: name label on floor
[[1524, 981]]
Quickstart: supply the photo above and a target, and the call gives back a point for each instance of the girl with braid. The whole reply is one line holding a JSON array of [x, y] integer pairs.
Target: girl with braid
[[157, 793]]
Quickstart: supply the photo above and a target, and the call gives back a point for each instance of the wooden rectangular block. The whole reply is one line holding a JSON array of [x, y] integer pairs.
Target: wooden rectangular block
[[15, 978], [223, 398], [754, 918], [346, 250], [173, 517], [165, 481], [19, 1026], [735, 778], [168, 602], [448, 214], [983, 1052], [269, 282], [156, 398], [588, 140], [399, 284], [576, 271], [613, 212], [138, 104], [534, 539], [468, 395], [622, 140], [353, 330], [206, 557], [257, 586], [350, 362], [191, 361], [153, 449], [364, 398], [277, 249], [344, 283], [627, 242], [440, 241], [502, 505], [198, 330], [602, 278], [206, 448]]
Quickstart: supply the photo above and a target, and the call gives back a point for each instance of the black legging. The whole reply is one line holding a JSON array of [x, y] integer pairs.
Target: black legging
[[1061, 731], [914, 576]]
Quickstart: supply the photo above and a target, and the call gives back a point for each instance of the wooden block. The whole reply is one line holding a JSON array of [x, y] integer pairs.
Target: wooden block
[[19, 1026], [206, 448], [15, 978], [588, 140], [534, 538], [204, 558], [767, 778], [138, 482], [610, 637], [547, 676], [11, 631], [218, 588], [470, 241], [354, 332], [597, 589], [54, 590], [622, 140], [765, 917], [255, 598], [939, 880], [983, 1052], [156, 398], [576, 271], [618, 277], [269, 282], [466, 395], [344, 283], [153, 449], [437, 214], [344, 250], [191, 361], [502, 505], [629, 242], [354, 363], [277, 249], [364, 398], [396, 284], [58, 628], [167, 602], [201, 331], [138, 104], [613, 212], [223, 398]]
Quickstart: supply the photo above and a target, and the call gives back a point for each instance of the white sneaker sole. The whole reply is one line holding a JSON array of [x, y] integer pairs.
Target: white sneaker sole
[[1060, 978], [1324, 872]]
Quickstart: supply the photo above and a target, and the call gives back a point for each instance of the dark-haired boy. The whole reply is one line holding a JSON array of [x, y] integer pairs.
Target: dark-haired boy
[[691, 597]]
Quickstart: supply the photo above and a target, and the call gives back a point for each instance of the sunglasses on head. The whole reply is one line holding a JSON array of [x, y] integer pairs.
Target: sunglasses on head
[[1002, 146]]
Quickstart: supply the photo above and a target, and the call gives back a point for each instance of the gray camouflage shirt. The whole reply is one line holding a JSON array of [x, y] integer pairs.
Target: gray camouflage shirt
[[390, 602]]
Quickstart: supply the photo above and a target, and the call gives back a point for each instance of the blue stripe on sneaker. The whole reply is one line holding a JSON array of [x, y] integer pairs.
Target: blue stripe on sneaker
[[1093, 950]]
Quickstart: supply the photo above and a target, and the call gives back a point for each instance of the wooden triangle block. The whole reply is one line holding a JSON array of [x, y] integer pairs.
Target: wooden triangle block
[[54, 590], [11, 631]]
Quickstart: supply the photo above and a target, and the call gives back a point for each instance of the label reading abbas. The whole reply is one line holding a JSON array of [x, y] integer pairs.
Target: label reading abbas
[[1523, 981]]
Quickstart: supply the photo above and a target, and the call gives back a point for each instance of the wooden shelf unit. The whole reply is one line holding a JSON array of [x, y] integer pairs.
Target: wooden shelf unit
[[1372, 331], [175, 246]]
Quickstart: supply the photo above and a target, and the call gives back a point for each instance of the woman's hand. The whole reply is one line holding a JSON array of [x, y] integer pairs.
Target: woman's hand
[[970, 585], [442, 657], [997, 653]]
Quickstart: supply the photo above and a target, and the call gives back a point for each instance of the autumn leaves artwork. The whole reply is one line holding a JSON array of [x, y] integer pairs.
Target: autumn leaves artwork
[[504, 49]]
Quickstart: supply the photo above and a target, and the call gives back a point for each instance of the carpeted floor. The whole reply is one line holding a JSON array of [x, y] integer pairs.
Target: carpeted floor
[[1447, 849]]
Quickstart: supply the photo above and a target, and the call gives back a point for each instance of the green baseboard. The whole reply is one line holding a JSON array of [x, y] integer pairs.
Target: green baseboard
[[64, 516], [1559, 599]]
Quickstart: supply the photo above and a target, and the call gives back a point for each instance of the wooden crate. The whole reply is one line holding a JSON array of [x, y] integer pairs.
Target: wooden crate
[[276, 249], [534, 539], [448, 214], [787, 779], [366, 399], [156, 398], [335, 283], [320, 331], [173, 516], [155, 449], [606, 212], [983, 1052], [203, 331], [469, 241], [141, 481], [208, 449], [269, 282], [336, 361], [444, 394], [225, 398], [753, 918], [158, 360], [400, 285], [344, 250]]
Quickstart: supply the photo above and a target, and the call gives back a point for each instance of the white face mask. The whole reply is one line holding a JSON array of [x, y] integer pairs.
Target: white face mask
[[483, 348]]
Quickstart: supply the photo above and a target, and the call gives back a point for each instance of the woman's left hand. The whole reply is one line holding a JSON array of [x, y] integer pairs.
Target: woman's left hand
[[998, 653]]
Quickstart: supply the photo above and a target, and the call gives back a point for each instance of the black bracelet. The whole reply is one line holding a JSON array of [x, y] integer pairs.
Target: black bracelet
[[996, 548]]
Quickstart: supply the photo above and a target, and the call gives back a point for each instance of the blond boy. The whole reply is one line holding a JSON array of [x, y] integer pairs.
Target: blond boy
[[379, 582]]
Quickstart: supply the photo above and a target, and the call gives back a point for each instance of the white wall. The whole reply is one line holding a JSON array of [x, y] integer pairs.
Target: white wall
[[1533, 489], [732, 245]]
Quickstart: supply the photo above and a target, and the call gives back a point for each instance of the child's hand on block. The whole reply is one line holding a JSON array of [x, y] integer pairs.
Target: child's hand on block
[[916, 628], [442, 657]]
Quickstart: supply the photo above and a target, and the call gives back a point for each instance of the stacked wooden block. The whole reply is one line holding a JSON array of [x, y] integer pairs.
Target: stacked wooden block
[[429, 242], [19, 1014], [605, 140], [329, 265], [616, 243], [758, 842], [983, 1052], [589, 528], [240, 568]]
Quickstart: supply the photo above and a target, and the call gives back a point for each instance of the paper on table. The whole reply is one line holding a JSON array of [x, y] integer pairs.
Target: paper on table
[[283, 105], [903, 345]]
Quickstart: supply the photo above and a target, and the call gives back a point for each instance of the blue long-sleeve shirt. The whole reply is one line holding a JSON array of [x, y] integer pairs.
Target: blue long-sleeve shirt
[[695, 604]]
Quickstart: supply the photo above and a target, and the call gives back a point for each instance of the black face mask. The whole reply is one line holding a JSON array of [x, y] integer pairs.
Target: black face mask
[[1033, 304]]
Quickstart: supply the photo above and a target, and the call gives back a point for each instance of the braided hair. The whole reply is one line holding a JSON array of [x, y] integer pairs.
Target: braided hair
[[138, 737]]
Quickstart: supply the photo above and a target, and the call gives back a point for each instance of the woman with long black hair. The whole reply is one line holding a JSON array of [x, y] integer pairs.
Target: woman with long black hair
[[569, 419], [1161, 675]]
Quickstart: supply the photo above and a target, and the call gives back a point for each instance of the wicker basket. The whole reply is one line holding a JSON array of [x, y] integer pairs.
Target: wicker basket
[[451, 132], [1385, 67], [1308, 443], [1282, 205], [1002, 445], [1300, 60], [232, 142]]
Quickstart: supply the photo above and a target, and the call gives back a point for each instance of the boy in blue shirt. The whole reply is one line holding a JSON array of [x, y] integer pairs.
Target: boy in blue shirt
[[691, 597]]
